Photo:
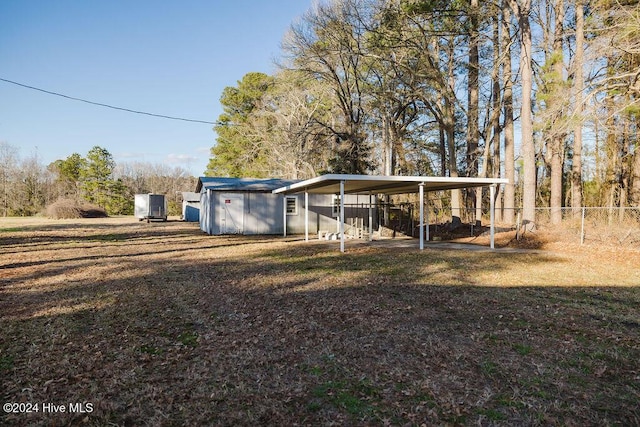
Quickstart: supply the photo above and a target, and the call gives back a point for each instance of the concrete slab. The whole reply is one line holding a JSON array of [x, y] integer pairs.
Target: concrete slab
[[409, 242]]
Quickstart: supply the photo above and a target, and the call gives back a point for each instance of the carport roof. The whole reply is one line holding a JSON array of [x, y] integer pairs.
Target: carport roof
[[380, 184]]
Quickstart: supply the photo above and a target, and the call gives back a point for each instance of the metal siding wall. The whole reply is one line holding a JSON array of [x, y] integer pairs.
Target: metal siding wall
[[214, 217], [322, 207], [263, 213], [295, 223], [141, 205], [207, 212], [230, 213], [249, 219], [204, 211], [322, 211], [191, 211]]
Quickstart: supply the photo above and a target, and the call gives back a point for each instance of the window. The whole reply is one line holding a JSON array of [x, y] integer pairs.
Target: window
[[292, 205]]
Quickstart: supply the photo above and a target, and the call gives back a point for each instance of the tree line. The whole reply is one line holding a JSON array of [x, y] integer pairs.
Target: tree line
[[27, 186], [542, 92]]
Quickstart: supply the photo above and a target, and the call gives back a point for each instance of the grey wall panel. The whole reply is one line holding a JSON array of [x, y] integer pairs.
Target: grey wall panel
[[263, 213]]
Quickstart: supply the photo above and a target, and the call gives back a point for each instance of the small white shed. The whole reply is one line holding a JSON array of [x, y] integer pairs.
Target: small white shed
[[190, 206]]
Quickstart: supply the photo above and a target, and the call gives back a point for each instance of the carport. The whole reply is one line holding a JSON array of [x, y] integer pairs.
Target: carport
[[341, 184]]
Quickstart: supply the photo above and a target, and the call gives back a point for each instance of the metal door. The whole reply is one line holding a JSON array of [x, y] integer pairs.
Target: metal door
[[231, 213]]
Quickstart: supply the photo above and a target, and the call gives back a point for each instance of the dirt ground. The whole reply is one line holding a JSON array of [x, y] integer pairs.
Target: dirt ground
[[118, 322]]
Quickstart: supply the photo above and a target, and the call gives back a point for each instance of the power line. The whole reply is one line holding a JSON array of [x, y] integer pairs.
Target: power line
[[107, 105]]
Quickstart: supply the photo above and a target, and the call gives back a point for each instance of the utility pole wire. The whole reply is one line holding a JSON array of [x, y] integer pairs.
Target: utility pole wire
[[107, 105]]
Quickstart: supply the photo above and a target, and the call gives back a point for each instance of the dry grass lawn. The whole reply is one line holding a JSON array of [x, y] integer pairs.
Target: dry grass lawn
[[159, 324]]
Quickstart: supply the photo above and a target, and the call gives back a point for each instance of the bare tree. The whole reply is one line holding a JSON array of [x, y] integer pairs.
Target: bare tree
[[521, 10], [30, 188], [327, 45], [8, 170], [433, 36], [615, 93], [144, 177], [287, 124], [507, 101], [552, 118], [578, 99], [473, 102]]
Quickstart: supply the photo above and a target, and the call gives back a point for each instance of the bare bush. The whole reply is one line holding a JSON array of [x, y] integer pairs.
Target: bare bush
[[69, 208], [93, 211], [63, 208]]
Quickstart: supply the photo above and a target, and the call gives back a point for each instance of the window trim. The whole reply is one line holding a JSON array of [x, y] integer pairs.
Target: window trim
[[295, 205]]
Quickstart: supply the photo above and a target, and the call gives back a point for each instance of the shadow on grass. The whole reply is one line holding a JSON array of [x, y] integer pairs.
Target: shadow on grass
[[54, 233], [239, 331]]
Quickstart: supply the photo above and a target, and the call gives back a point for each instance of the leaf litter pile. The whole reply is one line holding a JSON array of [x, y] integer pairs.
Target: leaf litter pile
[[159, 324]]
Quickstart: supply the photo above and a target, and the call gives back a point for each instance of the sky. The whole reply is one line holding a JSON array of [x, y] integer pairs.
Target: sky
[[171, 58]]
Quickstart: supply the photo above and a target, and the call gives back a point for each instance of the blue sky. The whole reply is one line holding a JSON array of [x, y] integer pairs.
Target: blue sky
[[172, 58]]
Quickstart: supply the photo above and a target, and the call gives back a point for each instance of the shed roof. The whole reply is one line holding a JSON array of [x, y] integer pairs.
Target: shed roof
[[190, 196], [379, 184], [242, 184]]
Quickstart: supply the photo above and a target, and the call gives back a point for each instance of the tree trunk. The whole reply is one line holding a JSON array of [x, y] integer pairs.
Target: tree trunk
[[495, 115], [453, 172], [387, 147], [456, 196], [398, 163], [578, 79], [507, 100], [526, 119], [555, 201], [634, 195], [387, 166], [557, 137], [473, 132], [612, 156], [443, 151], [625, 164]]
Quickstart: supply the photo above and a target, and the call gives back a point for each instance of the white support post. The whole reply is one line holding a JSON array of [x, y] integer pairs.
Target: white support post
[[421, 215], [426, 215], [341, 216], [338, 217], [370, 218], [284, 214], [492, 210], [306, 216]]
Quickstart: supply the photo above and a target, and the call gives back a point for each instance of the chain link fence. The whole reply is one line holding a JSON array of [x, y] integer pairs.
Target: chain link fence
[[613, 226], [587, 225]]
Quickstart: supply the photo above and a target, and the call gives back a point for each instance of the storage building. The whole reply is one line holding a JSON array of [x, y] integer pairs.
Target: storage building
[[190, 206], [248, 206]]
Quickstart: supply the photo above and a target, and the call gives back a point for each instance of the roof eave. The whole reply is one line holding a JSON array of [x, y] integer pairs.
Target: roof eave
[[379, 184]]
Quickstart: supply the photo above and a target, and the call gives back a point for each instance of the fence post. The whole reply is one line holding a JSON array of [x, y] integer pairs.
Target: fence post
[[582, 226]]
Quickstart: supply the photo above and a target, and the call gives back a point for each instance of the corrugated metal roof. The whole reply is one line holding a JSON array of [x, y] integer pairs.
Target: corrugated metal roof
[[242, 184]]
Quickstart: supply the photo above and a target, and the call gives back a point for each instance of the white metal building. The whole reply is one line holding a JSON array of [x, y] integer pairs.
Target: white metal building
[[249, 206]]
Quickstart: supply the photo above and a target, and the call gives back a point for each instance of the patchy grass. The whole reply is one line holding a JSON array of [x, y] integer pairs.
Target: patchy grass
[[10, 229], [6, 363], [160, 324]]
